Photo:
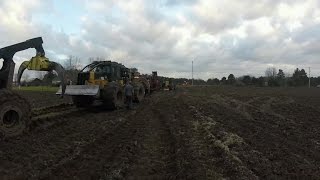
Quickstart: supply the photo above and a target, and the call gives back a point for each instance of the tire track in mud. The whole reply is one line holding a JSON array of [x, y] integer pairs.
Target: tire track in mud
[[192, 158], [50, 109], [29, 155], [166, 152], [171, 135], [48, 117], [212, 145], [275, 145], [86, 163], [149, 144], [112, 152], [40, 99], [98, 158], [51, 116], [157, 155]]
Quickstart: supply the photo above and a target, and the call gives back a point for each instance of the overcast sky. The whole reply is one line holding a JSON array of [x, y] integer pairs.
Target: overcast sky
[[221, 37]]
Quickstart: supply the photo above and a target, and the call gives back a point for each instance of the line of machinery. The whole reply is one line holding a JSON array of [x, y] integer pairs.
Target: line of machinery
[[99, 81], [104, 81]]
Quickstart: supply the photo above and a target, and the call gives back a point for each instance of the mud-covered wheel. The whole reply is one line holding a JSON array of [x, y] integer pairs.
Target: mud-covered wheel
[[82, 101], [113, 97], [15, 114], [139, 92]]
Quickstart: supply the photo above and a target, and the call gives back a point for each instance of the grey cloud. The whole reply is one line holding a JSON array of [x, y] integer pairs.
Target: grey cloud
[[179, 2], [307, 33], [152, 39], [230, 14]]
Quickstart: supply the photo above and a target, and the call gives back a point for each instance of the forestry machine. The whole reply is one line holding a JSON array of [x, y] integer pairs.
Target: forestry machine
[[104, 81], [15, 110]]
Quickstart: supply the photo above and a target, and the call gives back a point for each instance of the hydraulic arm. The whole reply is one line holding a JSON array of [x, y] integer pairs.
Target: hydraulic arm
[[7, 53], [37, 63], [15, 111]]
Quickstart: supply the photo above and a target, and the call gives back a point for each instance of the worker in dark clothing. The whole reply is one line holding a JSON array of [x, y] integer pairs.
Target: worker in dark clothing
[[128, 91]]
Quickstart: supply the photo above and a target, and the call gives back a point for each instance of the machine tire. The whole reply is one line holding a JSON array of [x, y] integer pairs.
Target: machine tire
[[15, 114], [82, 101], [139, 92], [113, 97]]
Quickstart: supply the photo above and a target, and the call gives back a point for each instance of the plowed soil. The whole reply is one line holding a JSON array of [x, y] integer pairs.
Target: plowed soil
[[190, 133], [42, 99]]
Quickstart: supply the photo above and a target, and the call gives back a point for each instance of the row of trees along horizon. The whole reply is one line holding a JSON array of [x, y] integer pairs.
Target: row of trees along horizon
[[273, 77]]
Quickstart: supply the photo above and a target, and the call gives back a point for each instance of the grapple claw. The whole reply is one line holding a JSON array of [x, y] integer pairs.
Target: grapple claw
[[22, 67], [61, 75], [41, 63]]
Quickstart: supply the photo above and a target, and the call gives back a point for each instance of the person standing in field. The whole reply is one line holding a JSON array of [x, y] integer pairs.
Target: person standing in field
[[128, 91]]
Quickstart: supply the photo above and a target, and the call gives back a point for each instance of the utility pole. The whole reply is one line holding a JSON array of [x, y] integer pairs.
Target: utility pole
[[192, 73], [309, 77]]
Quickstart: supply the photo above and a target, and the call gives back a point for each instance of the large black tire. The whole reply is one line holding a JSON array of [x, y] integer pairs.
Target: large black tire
[[82, 101], [113, 97], [139, 92], [15, 114]]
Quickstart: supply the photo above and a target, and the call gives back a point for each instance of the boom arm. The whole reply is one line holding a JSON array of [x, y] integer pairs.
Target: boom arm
[[38, 63], [8, 52]]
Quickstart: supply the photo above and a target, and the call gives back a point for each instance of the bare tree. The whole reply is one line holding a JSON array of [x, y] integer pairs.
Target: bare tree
[[271, 72], [72, 63]]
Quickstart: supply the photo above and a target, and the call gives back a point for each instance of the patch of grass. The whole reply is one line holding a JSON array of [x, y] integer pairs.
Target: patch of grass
[[37, 88]]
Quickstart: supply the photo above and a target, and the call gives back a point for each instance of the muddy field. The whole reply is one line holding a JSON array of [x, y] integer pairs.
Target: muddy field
[[43, 99], [196, 133]]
